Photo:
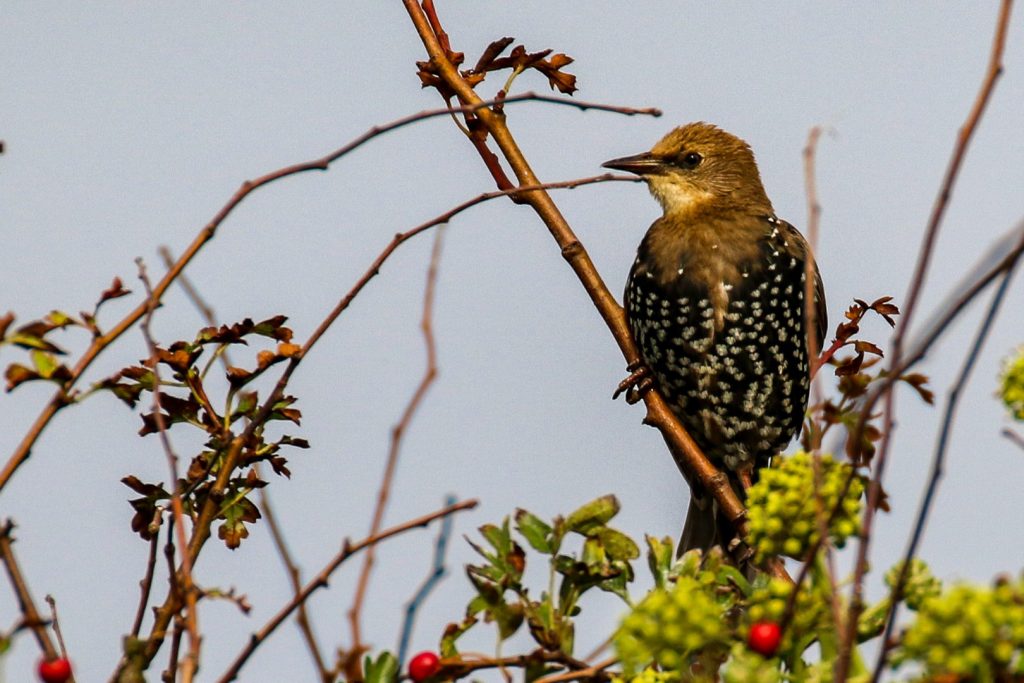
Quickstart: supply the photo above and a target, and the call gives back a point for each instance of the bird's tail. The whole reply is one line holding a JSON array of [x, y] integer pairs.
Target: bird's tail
[[706, 525]]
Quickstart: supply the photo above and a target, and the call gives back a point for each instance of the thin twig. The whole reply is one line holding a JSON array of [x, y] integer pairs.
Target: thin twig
[[437, 572], [191, 663], [295, 579], [1013, 436], [466, 664], [321, 579], [55, 624], [588, 673], [146, 585], [62, 396], [30, 615], [874, 491], [938, 465], [813, 226], [397, 432]]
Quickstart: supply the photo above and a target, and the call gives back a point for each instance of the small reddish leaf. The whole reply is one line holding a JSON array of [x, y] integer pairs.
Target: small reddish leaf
[[850, 366], [278, 464], [918, 382], [5, 322], [867, 347], [115, 291], [846, 330], [18, 374], [490, 53], [238, 376], [265, 359]]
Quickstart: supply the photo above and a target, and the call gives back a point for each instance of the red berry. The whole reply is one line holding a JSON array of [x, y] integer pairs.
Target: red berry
[[423, 666], [764, 638], [55, 670]]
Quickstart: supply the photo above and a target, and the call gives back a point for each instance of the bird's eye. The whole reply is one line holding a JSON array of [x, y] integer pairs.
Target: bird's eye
[[690, 160]]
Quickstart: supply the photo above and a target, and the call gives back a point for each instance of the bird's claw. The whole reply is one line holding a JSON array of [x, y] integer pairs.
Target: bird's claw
[[636, 385]]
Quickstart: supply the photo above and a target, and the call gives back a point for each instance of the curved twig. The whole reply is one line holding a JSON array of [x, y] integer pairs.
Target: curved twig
[[61, 397]]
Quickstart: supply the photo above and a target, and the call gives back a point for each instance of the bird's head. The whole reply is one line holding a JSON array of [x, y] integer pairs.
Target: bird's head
[[699, 167]]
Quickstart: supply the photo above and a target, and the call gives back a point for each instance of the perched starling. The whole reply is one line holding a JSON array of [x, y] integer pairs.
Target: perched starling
[[715, 301]]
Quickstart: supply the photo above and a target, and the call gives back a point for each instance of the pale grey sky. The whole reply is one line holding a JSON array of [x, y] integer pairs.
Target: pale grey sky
[[128, 126]]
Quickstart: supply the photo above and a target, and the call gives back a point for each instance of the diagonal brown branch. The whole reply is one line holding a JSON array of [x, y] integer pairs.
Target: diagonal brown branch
[[30, 614], [691, 461]]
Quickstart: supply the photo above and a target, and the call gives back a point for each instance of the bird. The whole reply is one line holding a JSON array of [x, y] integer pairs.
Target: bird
[[715, 301]]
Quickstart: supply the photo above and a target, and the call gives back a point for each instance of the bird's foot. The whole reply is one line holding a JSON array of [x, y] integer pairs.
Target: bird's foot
[[636, 385]]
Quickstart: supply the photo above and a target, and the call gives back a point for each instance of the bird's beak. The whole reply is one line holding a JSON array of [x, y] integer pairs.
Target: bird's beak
[[641, 164]]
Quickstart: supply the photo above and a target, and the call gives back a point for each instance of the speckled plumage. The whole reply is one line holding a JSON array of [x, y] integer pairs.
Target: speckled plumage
[[715, 299], [729, 355]]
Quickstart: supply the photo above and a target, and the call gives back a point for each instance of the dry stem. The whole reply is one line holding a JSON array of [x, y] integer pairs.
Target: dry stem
[[397, 432]]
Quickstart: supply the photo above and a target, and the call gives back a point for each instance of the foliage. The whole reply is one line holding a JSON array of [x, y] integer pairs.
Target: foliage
[[1011, 388], [970, 632], [791, 501]]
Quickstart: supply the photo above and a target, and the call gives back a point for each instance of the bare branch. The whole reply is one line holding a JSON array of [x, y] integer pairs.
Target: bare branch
[[397, 432], [31, 617]]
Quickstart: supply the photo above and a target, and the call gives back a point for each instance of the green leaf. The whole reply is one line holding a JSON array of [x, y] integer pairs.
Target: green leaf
[[536, 532], [617, 583], [453, 632], [382, 670], [618, 545], [45, 363], [508, 617], [593, 514], [247, 404], [659, 559], [498, 536], [29, 341]]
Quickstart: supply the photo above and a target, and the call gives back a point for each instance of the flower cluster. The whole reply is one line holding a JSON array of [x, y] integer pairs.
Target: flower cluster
[[670, 625], [972, 632], [1011, 384], [788, 503]]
